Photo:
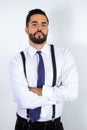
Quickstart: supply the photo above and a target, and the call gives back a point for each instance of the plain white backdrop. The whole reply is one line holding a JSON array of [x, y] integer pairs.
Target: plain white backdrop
[[68, 28]]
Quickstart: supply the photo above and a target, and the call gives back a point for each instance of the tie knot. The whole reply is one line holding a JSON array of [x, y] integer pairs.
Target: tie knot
[[38, 52]]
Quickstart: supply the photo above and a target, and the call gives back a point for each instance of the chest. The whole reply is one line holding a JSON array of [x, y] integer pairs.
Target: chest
[[31, 69]]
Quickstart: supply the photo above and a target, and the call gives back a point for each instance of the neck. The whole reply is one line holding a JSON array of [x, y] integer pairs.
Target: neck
[[37, 46]]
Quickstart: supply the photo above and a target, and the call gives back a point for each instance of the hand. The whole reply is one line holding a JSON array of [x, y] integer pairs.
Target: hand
[[37, 91]]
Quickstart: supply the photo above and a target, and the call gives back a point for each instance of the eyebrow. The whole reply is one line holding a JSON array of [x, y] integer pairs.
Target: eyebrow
[[44, 23], [37, 22], [34, 22]]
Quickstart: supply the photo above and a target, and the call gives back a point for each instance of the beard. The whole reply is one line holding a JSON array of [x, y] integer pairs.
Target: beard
[[39, 39]]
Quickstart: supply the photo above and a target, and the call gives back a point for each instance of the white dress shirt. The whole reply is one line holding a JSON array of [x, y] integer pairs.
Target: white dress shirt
[[66, 72]]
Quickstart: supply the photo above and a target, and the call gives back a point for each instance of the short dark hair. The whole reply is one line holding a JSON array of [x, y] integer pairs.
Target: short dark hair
[[35, 11]]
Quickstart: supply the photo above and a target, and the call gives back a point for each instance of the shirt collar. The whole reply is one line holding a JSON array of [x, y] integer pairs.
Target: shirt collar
[[32, 51], [46, 49]]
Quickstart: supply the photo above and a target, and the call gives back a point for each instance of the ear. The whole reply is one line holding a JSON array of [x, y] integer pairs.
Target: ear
[[26, 30]]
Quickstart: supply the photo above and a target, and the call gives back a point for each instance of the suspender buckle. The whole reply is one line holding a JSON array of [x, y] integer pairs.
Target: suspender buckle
[[53, 119], [28, 120]]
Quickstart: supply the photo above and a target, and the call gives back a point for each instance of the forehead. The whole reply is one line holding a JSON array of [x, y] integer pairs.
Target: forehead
[[38, 18]]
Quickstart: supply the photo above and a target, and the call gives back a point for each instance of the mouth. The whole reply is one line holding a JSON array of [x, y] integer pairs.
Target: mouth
[[39, 33]]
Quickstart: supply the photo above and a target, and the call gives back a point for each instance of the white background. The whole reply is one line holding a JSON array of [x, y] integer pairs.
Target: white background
[[68, 28]]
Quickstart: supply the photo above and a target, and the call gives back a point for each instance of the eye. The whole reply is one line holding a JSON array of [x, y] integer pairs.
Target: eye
[[34, 24], [44, 25]]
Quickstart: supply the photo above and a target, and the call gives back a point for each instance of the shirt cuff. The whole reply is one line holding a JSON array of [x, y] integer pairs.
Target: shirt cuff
[[47, 91]]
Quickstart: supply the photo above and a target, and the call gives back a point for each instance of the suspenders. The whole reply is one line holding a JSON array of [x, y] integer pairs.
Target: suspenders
[[24, 67], [24, 62], [54, 74]]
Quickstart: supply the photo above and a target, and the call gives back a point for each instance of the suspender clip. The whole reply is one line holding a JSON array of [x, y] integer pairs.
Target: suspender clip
[[28, 120], [53, 119]]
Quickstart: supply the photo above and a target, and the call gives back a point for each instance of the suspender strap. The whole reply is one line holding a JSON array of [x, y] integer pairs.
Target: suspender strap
[[54, 75], [24, 62], [24, 67], [54, 65]]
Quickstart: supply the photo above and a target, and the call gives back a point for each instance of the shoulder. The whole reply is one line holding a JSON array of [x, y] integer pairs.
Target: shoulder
[[61, 50], [63, 53], [17, 59]]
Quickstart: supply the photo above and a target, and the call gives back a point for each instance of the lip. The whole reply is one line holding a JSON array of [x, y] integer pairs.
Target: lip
[[39, 33]]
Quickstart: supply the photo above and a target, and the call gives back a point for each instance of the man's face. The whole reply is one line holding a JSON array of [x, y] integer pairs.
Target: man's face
[[37, 29]]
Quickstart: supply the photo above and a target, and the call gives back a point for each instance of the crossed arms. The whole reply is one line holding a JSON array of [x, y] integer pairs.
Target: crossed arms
[[38, 91]]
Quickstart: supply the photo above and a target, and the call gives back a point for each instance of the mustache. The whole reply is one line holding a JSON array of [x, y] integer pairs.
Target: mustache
[[39, 32]]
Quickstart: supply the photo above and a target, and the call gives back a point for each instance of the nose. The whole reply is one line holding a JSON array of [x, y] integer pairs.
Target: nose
[[39, 27]]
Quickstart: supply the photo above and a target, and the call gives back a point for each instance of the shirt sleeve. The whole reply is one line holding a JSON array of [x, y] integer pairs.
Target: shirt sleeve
[[23, 97], [69, 78]]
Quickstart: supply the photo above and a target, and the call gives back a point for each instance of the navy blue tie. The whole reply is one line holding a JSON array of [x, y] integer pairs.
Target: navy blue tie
[[35, 113], [41, 71]]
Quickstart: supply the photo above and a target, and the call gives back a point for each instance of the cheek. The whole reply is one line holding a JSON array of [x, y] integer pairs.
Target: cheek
[[46, 31], [32, 31]]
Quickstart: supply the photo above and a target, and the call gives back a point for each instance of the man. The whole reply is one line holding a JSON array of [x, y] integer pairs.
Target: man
[[42, 78]]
